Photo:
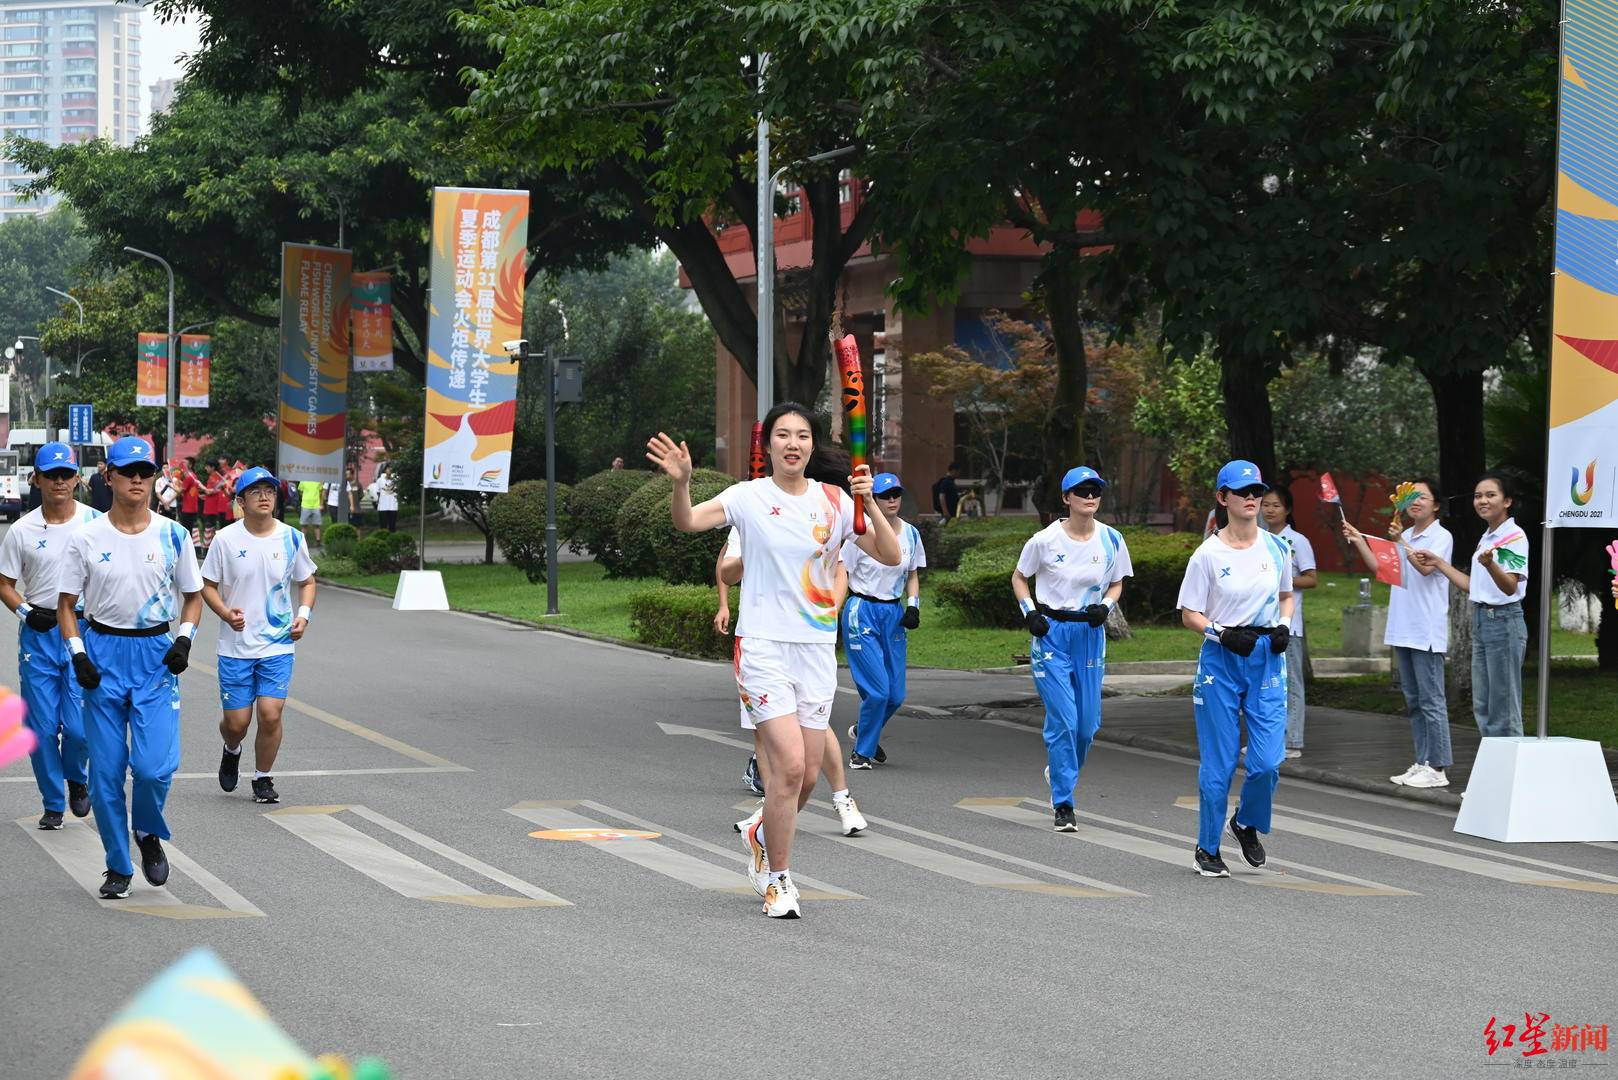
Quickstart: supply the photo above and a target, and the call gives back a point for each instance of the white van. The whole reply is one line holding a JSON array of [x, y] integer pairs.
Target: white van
[[27, 441]]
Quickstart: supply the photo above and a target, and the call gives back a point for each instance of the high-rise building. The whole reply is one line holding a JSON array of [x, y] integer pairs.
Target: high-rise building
[[163, 91], [69, 72]]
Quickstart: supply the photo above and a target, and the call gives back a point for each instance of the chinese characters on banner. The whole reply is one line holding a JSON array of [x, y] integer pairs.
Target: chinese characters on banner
[[196, 355], [373, 321], [1582, 462], [480, 240], [314, 361], [152, 370]]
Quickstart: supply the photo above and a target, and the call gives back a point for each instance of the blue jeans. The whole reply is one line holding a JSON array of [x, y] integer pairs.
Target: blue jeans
[[1294, 692], [1499, 642], [1421, 677]]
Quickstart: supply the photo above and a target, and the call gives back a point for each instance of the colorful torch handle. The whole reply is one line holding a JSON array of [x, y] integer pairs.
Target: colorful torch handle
[[848, 363], [755, 466]]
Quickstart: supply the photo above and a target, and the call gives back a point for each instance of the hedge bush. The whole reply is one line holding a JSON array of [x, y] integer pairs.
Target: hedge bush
[[340, 539], [678, 617], [649, 544], [402, 547], [374, 554], [517, 519], [336, 566], [592, 514], [947, 543], [980, 589]]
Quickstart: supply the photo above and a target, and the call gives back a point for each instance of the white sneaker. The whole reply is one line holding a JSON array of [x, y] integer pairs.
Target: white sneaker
[[1415, 768], [781, 898], [853, 733], [758, 860], [849, 812], [747, 822], [1295, 753], [1428, 778]]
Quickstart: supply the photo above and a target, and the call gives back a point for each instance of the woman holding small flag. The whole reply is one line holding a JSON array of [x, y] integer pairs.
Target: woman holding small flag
[[1276, 510], [1418, 630], [1497, 584]]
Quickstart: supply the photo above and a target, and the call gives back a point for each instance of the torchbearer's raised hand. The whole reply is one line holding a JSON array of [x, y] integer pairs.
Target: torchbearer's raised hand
[[670, 457], [859, 485]]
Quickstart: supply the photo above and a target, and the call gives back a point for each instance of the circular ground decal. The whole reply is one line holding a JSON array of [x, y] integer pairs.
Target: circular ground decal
[[594, 834]]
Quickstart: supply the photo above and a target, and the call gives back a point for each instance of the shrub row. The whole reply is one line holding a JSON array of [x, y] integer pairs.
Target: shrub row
[[383, 552], [678, 617], [946, 544], [517, 519], [648, 544], [592, 510], [340, 539]]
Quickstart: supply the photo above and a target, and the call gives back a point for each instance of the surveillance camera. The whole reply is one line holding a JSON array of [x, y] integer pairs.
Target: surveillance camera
[[515, 347]]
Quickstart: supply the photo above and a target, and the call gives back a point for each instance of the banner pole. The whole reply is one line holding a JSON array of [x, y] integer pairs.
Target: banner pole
[[421, 535], [1547, 598]]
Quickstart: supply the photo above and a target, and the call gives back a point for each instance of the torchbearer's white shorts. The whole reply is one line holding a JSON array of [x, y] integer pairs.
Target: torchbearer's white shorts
[[782, 678]]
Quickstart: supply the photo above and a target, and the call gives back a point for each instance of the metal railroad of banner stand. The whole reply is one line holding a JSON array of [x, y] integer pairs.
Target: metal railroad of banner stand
[[1536, 789]]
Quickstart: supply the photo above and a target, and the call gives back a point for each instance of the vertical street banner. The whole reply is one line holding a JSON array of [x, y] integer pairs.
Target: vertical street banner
[[314, 361], [373, 321], [152, 370], [196, 358], [479, 265], [1582, 458]]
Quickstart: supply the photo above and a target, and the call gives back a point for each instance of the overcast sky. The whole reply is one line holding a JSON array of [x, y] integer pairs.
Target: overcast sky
[[163, 48]]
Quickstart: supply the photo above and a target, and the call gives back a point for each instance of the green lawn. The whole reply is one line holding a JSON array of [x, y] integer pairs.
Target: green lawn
[[590, 601], [1584, 701], [437, 528]]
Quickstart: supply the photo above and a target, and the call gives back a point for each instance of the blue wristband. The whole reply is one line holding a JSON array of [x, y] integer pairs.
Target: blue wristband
[[1026, 606]]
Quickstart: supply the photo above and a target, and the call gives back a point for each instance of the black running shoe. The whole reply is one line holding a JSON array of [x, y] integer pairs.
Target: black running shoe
[[751, 780], [1211, 865], [78, 798], [264, 790], [1252, 850], [50, 819], [880, 758], [154, 865], [1065, 821], [857, 760], [114, 886], [228, 764]]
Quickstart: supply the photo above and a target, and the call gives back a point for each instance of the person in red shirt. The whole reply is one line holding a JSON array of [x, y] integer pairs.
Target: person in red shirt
[[215, 500], [190, 499]]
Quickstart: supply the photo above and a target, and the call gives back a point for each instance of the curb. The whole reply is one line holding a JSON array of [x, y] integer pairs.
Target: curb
[[1189, 752]]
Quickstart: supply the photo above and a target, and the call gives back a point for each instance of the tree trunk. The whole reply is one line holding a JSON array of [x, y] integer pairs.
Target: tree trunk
[[1607, 635], [1458, 397], [1458, 678], [1245, 387], [1064, 427], [488, 549]]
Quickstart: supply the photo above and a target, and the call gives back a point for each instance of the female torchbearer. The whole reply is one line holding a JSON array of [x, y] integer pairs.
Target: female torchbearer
[[1078, 566], [1237, 593], [786, 651], [128, 567]]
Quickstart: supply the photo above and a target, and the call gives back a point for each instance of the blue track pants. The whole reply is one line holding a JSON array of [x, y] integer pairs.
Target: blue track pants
[[1068, 664], [875, 644], [1228, 685], [133, 723], [55, 713]]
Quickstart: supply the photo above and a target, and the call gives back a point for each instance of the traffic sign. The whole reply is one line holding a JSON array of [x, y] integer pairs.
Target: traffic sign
[[81, 424]]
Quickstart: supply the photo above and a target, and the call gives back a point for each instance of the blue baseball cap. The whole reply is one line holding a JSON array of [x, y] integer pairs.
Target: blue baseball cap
[[130, 450], [258, 474], [884, 482], [1239, 474], [56, 457], [1083, 474]]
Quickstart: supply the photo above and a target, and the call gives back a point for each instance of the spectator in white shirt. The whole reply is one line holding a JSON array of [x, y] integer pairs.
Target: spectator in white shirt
[[1276, 511]]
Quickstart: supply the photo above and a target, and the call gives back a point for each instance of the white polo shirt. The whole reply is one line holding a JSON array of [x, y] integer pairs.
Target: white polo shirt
[[1418, 610], [1303, 561], [1484, 590]]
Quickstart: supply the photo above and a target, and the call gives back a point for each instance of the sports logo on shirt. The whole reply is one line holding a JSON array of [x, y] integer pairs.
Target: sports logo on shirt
[[241, 553], [39, 545], [106, 556]]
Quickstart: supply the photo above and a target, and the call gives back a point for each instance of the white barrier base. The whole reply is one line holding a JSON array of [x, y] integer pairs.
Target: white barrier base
[[1539, 791], [420, 590]]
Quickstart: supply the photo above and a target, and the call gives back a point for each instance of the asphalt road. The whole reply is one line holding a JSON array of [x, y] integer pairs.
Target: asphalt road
[[411, 914]]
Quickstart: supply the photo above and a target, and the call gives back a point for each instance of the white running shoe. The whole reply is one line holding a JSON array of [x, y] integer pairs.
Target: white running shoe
[[1295, 753], [747, 822], [781, 898], [1428, 778], [848, 810], [1403, 777], [758, 860], [853, 733]]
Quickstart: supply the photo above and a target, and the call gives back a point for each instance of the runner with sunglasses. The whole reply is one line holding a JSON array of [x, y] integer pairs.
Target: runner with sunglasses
[[1078, 565], [30, 559], [884, 605], [247, 580], [128, 567], [1237, 593]]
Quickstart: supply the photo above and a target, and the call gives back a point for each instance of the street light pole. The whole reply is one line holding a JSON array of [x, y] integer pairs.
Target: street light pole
[[550, 467], [14, 353], [168, 445], [79, 346]]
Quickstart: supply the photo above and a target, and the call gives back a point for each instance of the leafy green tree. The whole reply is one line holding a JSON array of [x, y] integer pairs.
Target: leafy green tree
[[35, 252], [1185, 412]]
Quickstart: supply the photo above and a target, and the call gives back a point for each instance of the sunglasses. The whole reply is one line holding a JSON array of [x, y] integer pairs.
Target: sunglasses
[[892, 493], [1086, 491], [1254, 492], [135, 472]]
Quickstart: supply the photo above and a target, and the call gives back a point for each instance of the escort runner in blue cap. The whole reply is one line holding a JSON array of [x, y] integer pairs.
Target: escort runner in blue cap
[[884, 605], [128, 567], [1078, 565], [247, 580], [30, 556], [1237, 593]]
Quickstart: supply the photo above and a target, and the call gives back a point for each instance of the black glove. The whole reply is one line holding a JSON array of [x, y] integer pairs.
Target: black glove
[[1280, 637], [86, 672], [1240, 640], [1037, 624], [911, 618], [41, 619], [1096, 614], [179, 655]]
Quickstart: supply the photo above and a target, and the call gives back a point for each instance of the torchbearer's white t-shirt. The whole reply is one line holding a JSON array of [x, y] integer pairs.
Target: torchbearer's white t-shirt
[[790, 545]]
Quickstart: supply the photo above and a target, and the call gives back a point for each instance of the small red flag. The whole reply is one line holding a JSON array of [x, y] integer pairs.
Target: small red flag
[[1387, 560], [1328, 489]]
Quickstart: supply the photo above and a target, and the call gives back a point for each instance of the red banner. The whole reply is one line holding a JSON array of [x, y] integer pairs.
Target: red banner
[[1387, 560], [196, 359]]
